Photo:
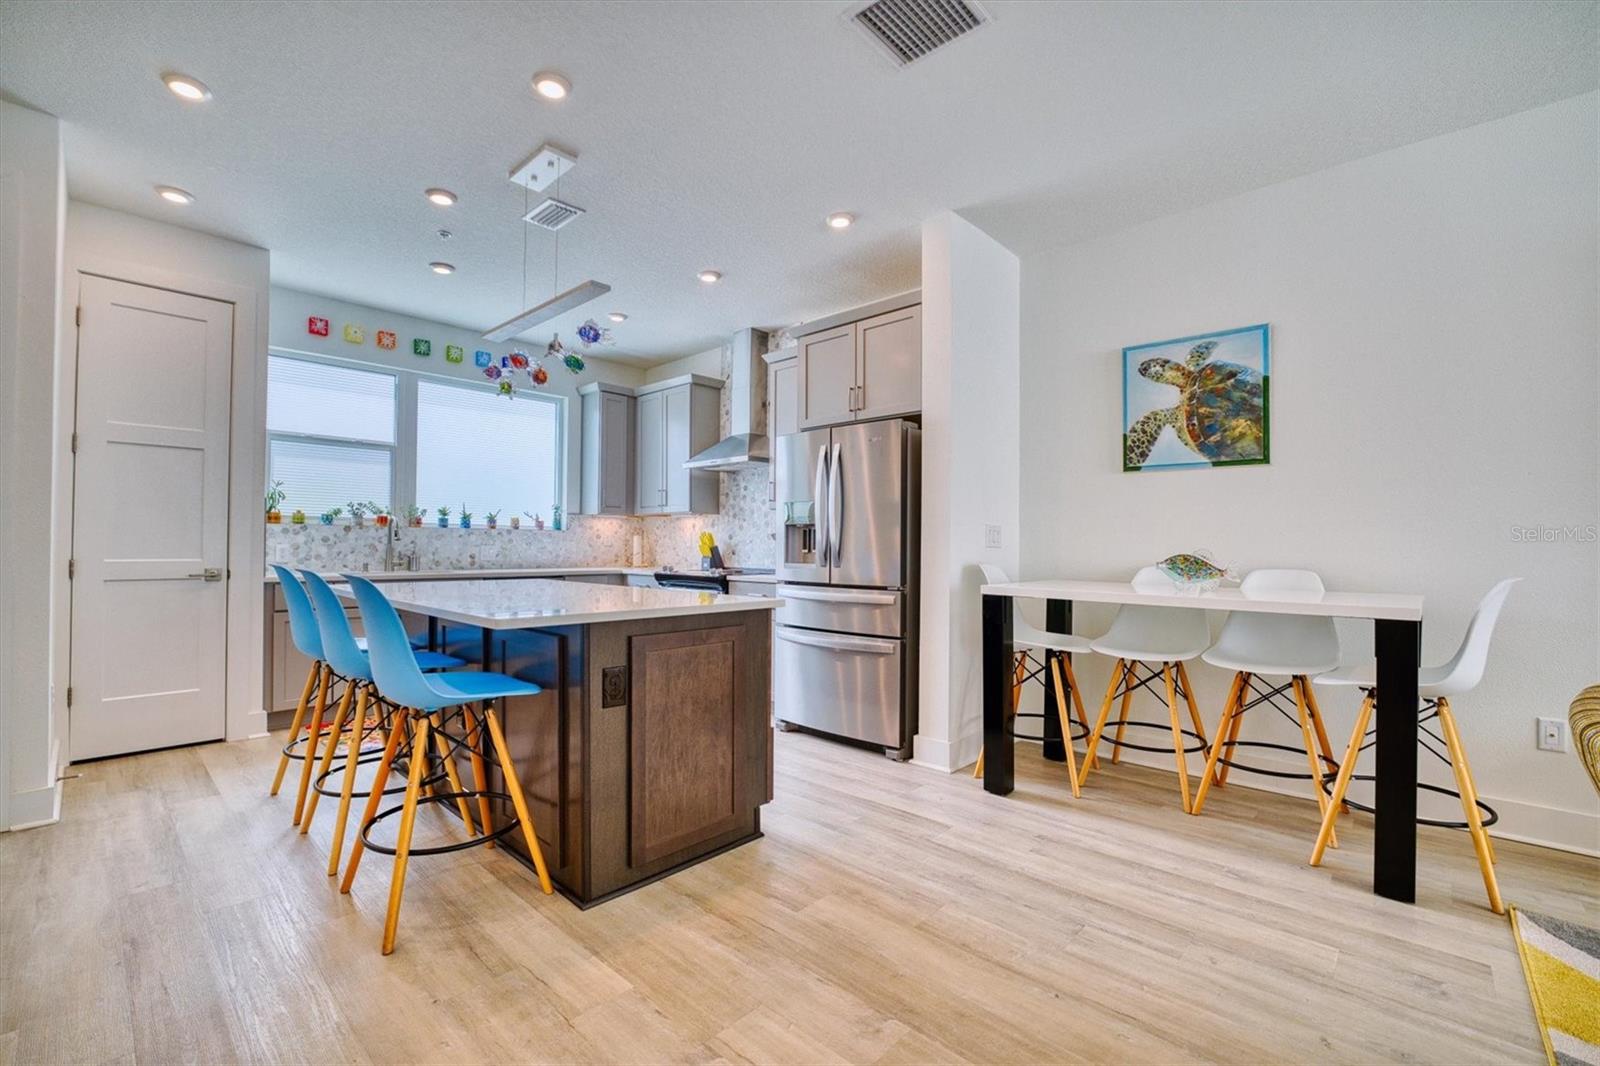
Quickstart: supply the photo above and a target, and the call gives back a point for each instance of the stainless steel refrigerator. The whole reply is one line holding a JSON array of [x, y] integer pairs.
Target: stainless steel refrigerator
[[844, 652]]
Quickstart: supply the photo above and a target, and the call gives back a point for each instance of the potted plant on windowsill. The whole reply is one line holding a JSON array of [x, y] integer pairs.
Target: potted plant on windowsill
[[491, 519], [298, 518], [414, 516], [444, 517], [516, 522], [330, 514], [380, 515], [275, 498], [538, 523], [466, 517], [358, 514]]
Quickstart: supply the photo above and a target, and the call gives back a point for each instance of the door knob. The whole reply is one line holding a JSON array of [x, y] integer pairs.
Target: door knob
[[210, 573]]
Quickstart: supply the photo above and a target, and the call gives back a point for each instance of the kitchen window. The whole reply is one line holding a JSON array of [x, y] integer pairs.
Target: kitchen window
[[486, 451], [330, 434]]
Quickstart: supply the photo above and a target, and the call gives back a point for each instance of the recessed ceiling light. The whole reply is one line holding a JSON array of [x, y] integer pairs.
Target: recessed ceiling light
[[442, 268], [710, 277], [174, 195], [841, 219], [617, 316], [185, 87], [442, 197], [550, 85]]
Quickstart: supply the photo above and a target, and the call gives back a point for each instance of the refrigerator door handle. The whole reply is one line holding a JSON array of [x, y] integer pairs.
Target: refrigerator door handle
[[835, 503], [819, 505], [870, 599], [837, 643]]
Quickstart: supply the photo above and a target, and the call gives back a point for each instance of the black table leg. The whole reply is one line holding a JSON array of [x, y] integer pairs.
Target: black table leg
[[998, 655], [1394, 861], [1057, 619]]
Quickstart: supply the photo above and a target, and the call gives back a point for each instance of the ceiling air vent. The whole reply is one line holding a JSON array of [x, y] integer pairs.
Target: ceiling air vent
[[907, 30], [552, 213]]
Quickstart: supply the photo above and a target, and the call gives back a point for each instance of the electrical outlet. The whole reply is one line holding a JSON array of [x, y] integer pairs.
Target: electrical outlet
[[991, 536], [1552, 734]]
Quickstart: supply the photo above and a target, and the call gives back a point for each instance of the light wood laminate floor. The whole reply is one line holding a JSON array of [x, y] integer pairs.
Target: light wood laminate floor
[[891, 914]]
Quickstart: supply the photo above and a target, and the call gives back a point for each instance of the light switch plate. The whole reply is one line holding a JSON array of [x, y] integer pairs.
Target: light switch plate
[[991, 536]]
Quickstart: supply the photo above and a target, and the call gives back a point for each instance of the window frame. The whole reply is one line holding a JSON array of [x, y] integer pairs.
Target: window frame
[[403, 452]]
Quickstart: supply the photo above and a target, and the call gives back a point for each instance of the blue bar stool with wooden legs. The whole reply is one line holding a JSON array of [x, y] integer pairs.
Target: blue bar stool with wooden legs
[[349, 660], [423, 698], [308, 641]]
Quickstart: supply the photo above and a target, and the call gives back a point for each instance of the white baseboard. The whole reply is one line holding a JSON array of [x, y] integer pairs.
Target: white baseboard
[[36, 807], [931, 753]]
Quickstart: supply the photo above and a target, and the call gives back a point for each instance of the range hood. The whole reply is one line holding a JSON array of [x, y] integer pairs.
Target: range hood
[[744, 444]]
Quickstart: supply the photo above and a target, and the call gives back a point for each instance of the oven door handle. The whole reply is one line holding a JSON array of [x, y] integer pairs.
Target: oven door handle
[[837, 643]]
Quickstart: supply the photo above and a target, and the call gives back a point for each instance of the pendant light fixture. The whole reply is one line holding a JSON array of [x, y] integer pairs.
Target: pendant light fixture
[[541, 170]]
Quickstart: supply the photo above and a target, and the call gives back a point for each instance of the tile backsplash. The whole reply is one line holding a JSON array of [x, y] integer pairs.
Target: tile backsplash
[[592, 541]]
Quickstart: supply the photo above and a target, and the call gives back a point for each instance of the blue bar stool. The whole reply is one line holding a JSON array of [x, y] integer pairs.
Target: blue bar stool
[[308, 641], [349, 661], [470, 693]]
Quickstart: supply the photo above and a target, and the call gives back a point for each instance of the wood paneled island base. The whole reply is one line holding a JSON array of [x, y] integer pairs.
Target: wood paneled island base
[[650, 747]]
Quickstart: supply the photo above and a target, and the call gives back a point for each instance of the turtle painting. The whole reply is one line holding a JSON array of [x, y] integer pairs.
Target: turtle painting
[[1219, 412]]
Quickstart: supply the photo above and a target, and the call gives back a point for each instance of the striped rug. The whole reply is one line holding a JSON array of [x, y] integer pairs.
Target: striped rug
[[1562, 963]]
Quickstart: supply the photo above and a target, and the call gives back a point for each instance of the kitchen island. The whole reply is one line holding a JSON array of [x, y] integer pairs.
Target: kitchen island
[[650, 747]]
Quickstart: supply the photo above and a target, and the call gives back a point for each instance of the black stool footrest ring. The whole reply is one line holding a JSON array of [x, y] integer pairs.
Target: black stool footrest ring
[[1228, 745], [320, 782], [441, 849], [1080, 731], [1201, 743], [1492, 815]]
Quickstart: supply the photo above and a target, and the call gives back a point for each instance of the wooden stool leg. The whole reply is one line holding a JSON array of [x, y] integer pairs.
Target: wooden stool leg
[[1077, 700], [375, 797], [339, 717], [1233, 730], [1321, 730], [480, 780], [1064, 713], [1466, 768], [452, 775], [294, 727], [1229, 709], [514, 786], [1194, 708], [1100, 723], [352, 755], [1298, 683], [314, 731], [1342, 781], [977, 770], [1129, 677], [1177, 736], [1469, 805], [402, 847]]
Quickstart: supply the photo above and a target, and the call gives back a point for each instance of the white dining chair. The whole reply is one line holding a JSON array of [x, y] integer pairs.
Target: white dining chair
[[1145, 638], [1297, 647], [1050, 666], [1435, 685]]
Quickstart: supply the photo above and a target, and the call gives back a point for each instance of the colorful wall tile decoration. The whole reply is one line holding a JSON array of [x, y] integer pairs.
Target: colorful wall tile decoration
[[317, 327], [453, 353], [482, 358], [354, 334], [387, 339], [421, 347]]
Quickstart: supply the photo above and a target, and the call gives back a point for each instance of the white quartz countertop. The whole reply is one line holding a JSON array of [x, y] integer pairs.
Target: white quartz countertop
[[533, 604], [487, 573], [1400, 606]]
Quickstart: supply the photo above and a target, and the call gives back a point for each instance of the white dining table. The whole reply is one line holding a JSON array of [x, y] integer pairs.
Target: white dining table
[[1397, 640]]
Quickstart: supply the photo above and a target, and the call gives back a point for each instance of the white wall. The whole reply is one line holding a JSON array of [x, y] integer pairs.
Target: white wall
[[1434, 363], [113, 244], [709, 362], [291, 309], [32, 213], [970, 441]]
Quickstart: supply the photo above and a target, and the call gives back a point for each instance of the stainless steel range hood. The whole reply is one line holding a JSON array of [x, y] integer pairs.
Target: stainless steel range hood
[[745, 443]]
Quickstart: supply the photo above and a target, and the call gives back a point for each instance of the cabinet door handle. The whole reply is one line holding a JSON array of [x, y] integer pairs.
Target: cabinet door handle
[[861, 397]]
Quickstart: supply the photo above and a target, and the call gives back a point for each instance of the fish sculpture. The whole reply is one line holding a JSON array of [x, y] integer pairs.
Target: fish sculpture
[[1194, 572]]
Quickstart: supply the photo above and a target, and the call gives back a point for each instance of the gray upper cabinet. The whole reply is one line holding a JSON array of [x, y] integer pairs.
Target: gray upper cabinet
[[866, 369], [608, 449], [889, 364], [783, 398], [676, 419]]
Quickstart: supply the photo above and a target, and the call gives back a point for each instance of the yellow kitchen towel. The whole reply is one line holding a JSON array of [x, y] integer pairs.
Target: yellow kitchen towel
[[1561, 961]]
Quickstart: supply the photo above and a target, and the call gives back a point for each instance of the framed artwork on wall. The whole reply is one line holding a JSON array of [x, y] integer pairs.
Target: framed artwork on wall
[[1197, 401]]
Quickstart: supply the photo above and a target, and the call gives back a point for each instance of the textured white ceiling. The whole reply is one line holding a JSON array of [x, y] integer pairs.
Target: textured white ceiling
[[719, 135]]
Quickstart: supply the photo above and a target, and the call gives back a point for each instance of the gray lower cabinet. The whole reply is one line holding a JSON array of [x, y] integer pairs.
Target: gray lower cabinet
[[676, 419], [871, 368], [607, 467]]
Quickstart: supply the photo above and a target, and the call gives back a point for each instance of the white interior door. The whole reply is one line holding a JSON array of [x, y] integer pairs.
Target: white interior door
[[150, 519]]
